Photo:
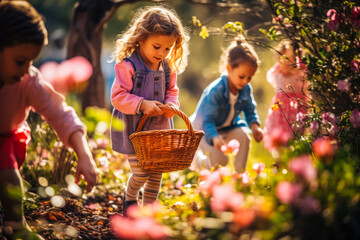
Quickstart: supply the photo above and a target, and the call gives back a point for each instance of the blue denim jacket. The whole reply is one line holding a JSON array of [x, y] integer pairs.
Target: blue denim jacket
[[214, 107]]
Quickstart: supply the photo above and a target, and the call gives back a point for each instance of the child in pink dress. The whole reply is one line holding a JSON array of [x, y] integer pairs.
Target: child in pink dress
[[289, 100], [22, 36]]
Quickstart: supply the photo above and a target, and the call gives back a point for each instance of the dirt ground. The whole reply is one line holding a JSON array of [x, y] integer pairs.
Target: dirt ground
[[79, 219]]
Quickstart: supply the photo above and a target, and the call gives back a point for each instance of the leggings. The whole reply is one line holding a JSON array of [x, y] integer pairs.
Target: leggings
[[138, 178]]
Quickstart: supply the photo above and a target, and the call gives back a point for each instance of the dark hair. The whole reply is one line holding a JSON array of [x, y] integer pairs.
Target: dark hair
[[20, 23], [238, 52]]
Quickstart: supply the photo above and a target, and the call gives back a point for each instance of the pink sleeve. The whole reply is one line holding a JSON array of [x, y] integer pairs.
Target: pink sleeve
[[172, 93], [121, 98], [42, 97], [271, 75]]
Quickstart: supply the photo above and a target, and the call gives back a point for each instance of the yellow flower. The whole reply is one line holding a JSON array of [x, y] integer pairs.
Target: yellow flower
[[204, 33], [275, 107]]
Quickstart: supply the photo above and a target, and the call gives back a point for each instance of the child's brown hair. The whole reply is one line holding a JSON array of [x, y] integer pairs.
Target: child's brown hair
[[20, 23], [238, 52]]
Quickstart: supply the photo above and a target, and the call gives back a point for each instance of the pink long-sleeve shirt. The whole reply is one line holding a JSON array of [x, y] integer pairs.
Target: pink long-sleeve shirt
[[127, 103], [32, 92]]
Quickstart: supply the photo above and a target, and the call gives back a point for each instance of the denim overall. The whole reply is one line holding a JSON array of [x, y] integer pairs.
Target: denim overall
[[151, 85]]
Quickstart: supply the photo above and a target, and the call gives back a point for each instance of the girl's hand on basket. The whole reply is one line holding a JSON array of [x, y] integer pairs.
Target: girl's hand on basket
[[169, 114], [150, 108]]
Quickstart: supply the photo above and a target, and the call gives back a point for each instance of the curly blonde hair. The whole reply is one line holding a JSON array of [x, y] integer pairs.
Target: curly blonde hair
[[155, 20]]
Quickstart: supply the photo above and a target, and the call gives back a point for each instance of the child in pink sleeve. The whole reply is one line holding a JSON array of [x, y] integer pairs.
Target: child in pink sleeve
[[289, 99], [22, 36], [149, 54]]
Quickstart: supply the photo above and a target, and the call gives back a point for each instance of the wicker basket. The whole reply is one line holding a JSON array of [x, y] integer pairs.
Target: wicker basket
[[168, 150]]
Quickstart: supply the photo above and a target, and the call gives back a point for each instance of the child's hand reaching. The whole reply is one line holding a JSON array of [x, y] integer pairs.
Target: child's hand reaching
[[86, 166], [218, 142], [257, 132], [151, 108]]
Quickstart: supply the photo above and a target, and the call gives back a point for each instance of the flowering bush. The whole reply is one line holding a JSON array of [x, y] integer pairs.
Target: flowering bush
[[313, 193]]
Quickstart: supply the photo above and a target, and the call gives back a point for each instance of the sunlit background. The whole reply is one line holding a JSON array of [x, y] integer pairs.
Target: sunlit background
[[204, 53]]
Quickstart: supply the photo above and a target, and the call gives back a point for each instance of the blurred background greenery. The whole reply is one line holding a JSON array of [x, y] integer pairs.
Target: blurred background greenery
[[204, 53]]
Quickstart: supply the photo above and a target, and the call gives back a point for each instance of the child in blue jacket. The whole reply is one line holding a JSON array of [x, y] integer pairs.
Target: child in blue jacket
[[222, 102]]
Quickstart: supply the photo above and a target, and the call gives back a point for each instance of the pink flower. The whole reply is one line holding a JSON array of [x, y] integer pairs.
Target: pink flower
[[104, 162], [148, 210], [258, 167], [49, 71], [102, 143], [301, 117], [203, 174], [225, 198], [333, 130], [93, 206], [287, 192], [213, 179], [328, 117], [143, 228], [303, 166], [244, 217], [343, 85], [334, 19], [300, 64], [245, 177], [314, 126], [354, 65], [309, 205], [355, 14], [231, 147], [323, 147], [68, 75], [355, 118], [224, 171], [278, 138]]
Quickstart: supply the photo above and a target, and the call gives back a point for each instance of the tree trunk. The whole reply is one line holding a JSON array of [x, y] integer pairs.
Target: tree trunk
[[85, 39]]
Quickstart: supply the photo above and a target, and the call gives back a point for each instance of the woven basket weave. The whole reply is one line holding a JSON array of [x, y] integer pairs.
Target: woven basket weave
[[168, 150]]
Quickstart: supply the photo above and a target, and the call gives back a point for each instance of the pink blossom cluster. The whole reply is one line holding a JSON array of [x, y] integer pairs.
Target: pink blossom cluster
[[209, 180], [140, 224], [258, 167], [224, 196], [355, 118], [244, 176], [314, 126], [300, 64], [277, 138], [355, 17], [143, 228], [343, 85], [68, 75], [355, 65], [290, 193], [232, 147], [324, 147], [329, 121], [303, 166], [334, 19]]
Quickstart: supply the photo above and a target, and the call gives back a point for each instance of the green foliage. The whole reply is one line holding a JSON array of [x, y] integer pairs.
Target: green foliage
[[329, 48]]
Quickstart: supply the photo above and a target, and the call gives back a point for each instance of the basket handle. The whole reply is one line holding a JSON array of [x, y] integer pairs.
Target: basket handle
[[167, 108]]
